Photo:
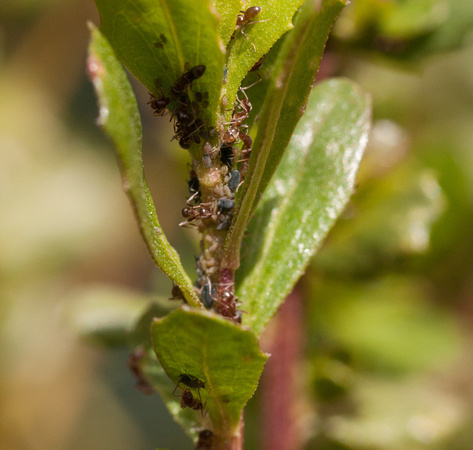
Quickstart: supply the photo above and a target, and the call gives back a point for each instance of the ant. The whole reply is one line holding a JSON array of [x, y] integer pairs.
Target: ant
[[196, 212], [188, 400], [244, 19], [180, 85], [159, 104], [190, 381]]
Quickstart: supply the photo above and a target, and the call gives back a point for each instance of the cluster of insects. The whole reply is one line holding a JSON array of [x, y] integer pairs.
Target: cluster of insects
[[210, 206], [226, 155], [187, 398], [229, 159], [188, 126]]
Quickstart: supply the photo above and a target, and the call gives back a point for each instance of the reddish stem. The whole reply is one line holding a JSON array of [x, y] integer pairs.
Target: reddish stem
[[279, 390], [234, 442]]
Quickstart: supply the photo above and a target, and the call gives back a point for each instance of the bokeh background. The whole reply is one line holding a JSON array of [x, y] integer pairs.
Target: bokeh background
[[385, 353]]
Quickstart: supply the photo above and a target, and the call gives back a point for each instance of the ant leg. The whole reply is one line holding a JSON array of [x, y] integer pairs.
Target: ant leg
[[243, 89], [242, 29], [177, 385]]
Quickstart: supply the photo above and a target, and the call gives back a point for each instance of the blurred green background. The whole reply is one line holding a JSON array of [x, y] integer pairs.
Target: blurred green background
[[388, 300]]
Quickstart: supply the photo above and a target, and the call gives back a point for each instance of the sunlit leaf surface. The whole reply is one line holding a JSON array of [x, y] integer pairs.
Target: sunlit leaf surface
[[120, 119], [307, 193]]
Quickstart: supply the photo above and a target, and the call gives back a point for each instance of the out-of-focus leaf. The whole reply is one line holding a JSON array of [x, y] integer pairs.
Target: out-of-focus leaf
[[104, 314], [155, 40], [307, 193], [390, 219], [407, 414], [221, 354], [291, 80], [413, 18], [275, 19], [120, 118], [408, 30], [387, 325]]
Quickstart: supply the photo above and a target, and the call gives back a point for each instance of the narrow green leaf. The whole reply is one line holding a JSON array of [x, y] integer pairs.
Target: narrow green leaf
[[269, 25], [308, 192], [224, 356], [120, 119], [155, 39], [293, 75], [228, 11]]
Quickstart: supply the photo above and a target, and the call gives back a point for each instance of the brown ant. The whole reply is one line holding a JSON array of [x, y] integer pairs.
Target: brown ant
[[244, 19], [193, 213], [188, 400], [231, 134]]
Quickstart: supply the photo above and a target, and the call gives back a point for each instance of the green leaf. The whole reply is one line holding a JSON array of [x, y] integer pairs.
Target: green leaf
[[308, 192], [275, 19], [292, 77], [120, 119], [155, 40], [228, 11], [224, 356]]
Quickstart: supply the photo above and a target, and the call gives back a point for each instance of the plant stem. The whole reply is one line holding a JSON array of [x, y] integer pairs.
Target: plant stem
[[234, 442], [281, 377]]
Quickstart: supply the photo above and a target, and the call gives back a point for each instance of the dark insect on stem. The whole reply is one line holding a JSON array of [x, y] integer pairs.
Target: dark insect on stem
[[234, 180], [227, 155], [207, 158], [225, 205], [176, 293], [205, 440], [194, 187], [134, 365], [208, 294]]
